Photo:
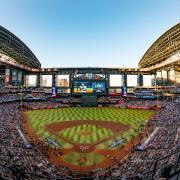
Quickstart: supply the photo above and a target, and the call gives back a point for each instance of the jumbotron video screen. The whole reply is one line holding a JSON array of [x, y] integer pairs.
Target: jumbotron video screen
[[90, 87]]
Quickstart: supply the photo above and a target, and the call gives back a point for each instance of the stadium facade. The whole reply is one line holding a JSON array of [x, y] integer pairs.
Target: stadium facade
[[159, 67]]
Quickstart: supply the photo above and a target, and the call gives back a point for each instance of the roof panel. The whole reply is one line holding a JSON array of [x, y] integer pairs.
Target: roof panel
[[15, 48]]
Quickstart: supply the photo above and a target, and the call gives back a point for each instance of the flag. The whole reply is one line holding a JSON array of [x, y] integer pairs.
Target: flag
[[53, 91]]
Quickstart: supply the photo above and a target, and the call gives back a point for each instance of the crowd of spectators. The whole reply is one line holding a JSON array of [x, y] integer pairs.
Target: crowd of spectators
[[43, 104], [164, 142], [19, 162], [9, 97], [143, 103]]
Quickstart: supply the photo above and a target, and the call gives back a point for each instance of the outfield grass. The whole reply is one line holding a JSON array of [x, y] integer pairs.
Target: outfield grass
[[132, 117]]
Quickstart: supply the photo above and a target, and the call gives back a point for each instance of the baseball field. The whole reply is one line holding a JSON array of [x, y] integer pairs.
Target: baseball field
[[84, 133]]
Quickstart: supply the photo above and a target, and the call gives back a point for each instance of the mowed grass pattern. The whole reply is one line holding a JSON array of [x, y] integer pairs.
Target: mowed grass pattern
[[91, 158], [39, 118], [86, 133]]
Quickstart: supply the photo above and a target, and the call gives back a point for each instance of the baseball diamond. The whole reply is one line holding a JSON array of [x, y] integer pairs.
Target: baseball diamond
[[85, 131]]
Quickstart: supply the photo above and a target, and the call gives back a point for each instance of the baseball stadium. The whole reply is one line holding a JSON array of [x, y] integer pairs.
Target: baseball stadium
[[90, 122]]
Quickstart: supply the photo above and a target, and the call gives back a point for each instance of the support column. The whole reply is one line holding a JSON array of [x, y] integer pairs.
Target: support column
[[53, 80], [124, 80], [164, 77], [38, 80], [171, 77], [159, 78], [7, 76], [140, 80]]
